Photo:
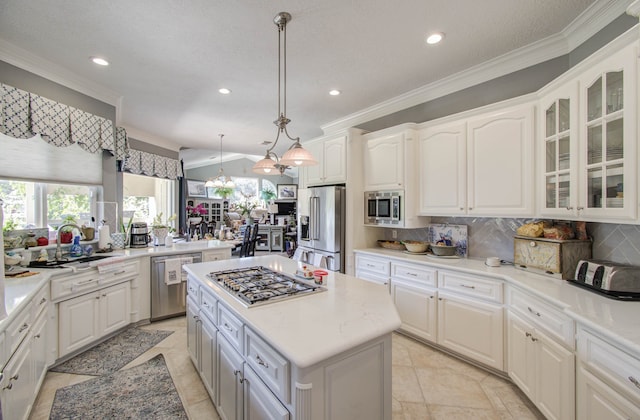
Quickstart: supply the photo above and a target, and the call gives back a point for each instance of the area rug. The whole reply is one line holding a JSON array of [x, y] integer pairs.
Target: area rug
[[113, 354], [145, 391]]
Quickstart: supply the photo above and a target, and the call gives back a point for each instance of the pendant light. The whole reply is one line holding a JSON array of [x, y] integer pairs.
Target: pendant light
[[296, 155], [220, 181]]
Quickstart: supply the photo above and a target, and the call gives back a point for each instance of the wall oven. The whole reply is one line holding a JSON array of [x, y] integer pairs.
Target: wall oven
[[384, 208]]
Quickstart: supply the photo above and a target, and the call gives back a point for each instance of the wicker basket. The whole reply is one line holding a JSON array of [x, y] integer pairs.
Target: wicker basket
[[397, 245]]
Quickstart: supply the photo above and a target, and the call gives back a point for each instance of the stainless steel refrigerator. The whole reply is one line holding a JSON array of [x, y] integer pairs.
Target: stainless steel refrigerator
[[321, 229]]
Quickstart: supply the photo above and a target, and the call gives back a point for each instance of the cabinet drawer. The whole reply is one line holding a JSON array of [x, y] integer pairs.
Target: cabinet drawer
[[272, 368], [609, 363], [40, 302], [209, 305], [477, 287], [192, 290], [374, 265], [543, 315], [231, 327], [17, 331], [412, 272], [74, 284], [119, 272]]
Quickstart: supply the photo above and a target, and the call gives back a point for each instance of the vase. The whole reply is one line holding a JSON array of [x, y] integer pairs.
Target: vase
[[159, 236], [195, 220]]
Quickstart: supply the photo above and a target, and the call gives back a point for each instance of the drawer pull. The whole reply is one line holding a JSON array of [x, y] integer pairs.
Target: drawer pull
[[533, 339], [468, 287], [527, 334], [262, 362], [119, 272], [43, 300], [412, 274], [80, 283], [9, 386], [36, 336], [634, 381], [23, 327], [227, 327], [533, 312], [370, 265]]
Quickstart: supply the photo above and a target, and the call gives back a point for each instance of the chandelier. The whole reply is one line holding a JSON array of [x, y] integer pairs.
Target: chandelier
[[220, 181], [296, 155]]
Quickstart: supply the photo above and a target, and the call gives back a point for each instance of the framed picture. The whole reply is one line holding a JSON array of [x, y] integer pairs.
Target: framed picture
[[287, 191], [196, 188]]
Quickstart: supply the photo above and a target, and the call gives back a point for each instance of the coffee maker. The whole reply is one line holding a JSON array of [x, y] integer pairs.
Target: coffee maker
[[139, 235]]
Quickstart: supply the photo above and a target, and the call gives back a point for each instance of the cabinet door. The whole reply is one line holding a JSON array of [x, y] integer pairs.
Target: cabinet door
[[384, 163], [18, 388], [207, 352], [216, 255], [609, 135], [229, 386], [259, 402], [521, 360], [443, 170], [78, 322], [558, 152], [471, 328], [417, 308], [193, 332], [596, 400], [500, 163], [334, 160], [277, 239], [314, 174], [115, 307], [555, 368], [39, 354]]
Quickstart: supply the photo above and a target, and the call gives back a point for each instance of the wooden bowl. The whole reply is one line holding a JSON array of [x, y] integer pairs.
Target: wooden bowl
[[416, 246]]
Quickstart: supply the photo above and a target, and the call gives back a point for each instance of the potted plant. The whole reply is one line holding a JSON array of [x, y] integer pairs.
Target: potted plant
[[224, 192], [66, 234], [267, 194], [160, 228], [196, 213]]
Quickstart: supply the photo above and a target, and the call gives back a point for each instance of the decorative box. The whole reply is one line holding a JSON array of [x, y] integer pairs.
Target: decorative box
[[550, 256]]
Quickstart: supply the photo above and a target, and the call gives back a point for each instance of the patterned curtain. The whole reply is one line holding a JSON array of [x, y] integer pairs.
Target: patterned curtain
[[144, 163], [24, 114]]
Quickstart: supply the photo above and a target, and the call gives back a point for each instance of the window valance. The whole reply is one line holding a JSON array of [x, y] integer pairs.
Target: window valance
[[24, 114], [144, 163]]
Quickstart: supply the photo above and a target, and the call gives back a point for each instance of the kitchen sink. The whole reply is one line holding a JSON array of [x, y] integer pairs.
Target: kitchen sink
[[66, 262]]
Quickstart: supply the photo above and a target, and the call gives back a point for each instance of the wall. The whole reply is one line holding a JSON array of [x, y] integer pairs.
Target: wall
[[239, 168]]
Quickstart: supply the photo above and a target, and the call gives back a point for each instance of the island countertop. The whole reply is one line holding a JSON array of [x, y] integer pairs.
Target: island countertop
[[311, 328]]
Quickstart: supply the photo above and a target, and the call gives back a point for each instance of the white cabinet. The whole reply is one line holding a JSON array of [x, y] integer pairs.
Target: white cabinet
[[385, 160], [481, 166], [608, 379], [373, 269], [470, 317], [86, 318], [543, 369], [18, 387], [208, 364], [216, 254], [415, 297], [587, 144], [331, 154], [193, 331], [259, 402], [230, 378]]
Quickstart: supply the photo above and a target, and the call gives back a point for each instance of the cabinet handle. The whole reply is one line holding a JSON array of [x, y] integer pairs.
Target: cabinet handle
[[569, 208], [461, 208], [9, 386], [119, 272], [43, 300], [634, 381], [80, 283], [23, 327], [196, 317], [227, 327], [580, 208], [533, 339], [470, 208], [527, 334], [468, 287], [430, 297], [412, 274], [104, 295], [98, 297], [533, 312], [439, 298], [370, 265], [262, 362]]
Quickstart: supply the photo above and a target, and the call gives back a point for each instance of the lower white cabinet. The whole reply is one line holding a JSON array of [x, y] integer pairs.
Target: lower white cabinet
[[259, 402], [18, 387], [542, 368], [372, 269], [216, 254], [208, 364], [86, 318], [597, 400], [230, 378], [415, 297]]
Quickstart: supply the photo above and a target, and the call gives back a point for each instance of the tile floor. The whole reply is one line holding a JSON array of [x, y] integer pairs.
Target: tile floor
[[427, 384]]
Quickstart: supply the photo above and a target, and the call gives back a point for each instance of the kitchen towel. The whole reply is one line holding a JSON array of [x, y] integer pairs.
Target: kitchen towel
[[297, 255], [173, 271], [320, 261], [183, 261]]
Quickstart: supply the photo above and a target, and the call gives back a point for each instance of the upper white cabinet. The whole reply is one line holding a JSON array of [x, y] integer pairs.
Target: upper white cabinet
[[385, 160], [331, 154], [480, 166], [587, 143]]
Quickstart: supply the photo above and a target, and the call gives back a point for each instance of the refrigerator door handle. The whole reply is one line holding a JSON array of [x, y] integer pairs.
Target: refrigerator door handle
[[314, 226]]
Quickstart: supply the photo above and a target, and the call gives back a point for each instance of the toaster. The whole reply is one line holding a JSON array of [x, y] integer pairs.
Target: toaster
[[609, 277]]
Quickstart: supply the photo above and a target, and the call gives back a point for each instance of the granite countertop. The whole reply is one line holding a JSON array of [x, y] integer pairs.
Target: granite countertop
[[310, 329], [613, 319], [19, 291]]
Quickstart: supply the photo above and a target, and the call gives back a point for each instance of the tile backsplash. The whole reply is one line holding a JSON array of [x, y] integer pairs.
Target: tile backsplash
[[493, 237]]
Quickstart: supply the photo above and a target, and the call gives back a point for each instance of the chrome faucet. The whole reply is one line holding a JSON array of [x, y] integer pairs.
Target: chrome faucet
[[58, 248]]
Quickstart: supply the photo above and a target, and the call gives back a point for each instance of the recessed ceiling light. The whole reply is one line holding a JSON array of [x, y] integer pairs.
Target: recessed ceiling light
[[434, 38], [224, 91], [334, 92], [100, 61]]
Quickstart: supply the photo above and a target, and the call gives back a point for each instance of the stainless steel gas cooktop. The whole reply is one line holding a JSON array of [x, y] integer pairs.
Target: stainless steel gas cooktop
[[259, 285]]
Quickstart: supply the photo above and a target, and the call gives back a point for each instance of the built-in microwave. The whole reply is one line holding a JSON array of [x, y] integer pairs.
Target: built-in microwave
[[384, 208]]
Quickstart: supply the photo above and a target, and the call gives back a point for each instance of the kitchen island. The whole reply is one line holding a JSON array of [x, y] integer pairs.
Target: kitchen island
[[323, 355]]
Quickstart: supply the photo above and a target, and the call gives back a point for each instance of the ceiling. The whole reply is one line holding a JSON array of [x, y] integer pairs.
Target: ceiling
[[169, 58]]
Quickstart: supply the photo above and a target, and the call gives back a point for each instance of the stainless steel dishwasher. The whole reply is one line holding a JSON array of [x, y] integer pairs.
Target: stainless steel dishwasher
[[168, 300]]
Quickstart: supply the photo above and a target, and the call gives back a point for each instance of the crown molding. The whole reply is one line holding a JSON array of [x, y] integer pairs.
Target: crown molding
[[25, 60], [587, 24]]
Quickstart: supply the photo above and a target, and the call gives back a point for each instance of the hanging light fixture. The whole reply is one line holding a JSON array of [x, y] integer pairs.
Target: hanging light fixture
[[220, 181], [296, 155]]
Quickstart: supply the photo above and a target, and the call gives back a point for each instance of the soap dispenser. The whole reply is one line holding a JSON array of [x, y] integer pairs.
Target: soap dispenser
[[76, 249]]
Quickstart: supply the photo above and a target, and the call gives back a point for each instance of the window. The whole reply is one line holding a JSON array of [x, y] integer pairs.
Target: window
[[145, 197], [246, 190], [30, 205]]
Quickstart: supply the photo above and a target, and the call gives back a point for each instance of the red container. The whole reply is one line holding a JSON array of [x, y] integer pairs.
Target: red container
[[66, 237], [42, 241]]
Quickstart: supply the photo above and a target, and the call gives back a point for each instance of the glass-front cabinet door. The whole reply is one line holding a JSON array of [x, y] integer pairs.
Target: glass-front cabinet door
[[609, 132], [559, 129]]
